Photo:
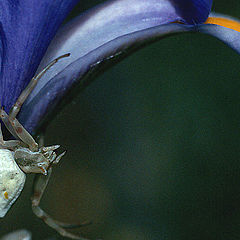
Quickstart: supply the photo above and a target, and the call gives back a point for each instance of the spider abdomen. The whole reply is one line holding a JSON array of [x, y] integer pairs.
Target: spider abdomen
[[12, 180]]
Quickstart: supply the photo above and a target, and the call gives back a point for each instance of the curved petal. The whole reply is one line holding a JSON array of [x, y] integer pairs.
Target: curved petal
[[103, 35], [26, 29], [223, 27], [79, 74], [93, 29]]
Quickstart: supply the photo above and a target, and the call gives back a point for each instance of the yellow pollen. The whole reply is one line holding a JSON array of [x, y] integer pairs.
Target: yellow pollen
[[6, 195], [228, 23]]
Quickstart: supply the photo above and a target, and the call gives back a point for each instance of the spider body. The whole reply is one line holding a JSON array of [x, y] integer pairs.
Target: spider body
[[24, 155]]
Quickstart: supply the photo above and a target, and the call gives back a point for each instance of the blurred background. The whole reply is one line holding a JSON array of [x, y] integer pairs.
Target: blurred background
[[153, 147]]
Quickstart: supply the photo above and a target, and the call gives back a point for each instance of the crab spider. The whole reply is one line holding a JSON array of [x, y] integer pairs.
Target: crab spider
[[25, 155]]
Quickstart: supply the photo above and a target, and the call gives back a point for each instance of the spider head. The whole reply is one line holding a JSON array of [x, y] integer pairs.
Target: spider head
[[37, 162]]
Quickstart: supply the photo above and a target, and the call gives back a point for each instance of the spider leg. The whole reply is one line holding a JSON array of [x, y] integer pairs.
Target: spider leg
[[40, 183], [10, 121], [26, 92], [18, 131], [11, 144], [71, 226], [5, 120]]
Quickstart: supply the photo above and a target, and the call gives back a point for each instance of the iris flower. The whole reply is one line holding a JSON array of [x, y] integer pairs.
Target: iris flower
[[31, 36]]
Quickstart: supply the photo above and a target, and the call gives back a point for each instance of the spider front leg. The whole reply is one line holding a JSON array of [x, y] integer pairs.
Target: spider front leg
[[26, 92], [40, 184], [11, 123]]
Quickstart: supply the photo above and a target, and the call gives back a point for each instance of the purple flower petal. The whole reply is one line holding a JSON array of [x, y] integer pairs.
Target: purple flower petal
[[193, 11], [26, 29], [98, 38]]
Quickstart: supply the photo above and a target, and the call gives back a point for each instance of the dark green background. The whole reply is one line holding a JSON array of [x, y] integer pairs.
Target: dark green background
[[153, 147]]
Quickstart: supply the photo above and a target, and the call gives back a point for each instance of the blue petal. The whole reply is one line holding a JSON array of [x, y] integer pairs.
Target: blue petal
[[193, 11], [26, 29], [96, 39]]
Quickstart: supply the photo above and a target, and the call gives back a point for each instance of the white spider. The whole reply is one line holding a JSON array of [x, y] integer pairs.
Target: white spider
[[24, 155]]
